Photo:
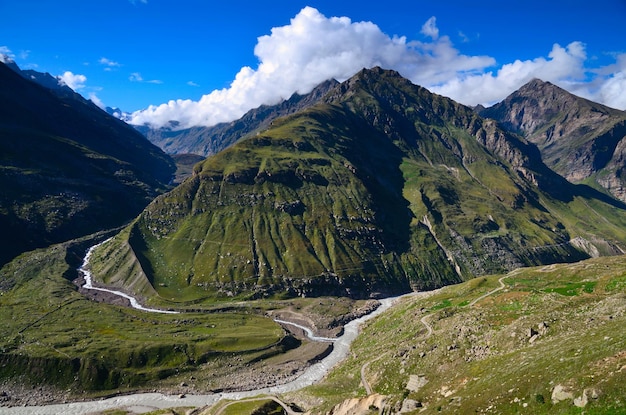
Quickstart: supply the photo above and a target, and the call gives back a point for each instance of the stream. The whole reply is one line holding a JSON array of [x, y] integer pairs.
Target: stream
[[145, 402]]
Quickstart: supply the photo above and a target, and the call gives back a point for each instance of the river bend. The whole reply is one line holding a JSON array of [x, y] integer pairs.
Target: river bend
[[145, 402]]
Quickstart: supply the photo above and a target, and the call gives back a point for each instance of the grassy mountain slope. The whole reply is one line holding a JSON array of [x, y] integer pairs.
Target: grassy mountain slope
[[550, 341], [67, 168], [380, 188], [579, 139]]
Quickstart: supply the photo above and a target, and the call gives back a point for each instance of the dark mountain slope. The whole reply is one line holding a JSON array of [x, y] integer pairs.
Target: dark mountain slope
[[67, 168], [205, 141], [580, 139], [379, 188]]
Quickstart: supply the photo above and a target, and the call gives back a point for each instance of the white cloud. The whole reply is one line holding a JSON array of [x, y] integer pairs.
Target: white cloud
[[74, 81], [6, 56], [310, 50], [430, 28], [136, 77], [192, 83], [314, 48], [109, 63], [94, 98], [613, 91], [609, 87], [562, 66]]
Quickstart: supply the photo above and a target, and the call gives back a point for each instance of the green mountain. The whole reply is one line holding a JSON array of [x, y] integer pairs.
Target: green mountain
[[206, 141], [380, 188], [582, 140], [67, 168]]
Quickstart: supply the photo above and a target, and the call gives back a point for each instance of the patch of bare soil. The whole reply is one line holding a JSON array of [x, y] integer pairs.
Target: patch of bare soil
[[100, 296]]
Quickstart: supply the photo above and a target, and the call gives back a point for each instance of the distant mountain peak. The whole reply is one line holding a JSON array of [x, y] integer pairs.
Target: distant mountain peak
[[577, 138], [205, 141]]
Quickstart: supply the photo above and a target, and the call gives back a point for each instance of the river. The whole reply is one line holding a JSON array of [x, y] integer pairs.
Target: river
[[145, 402]]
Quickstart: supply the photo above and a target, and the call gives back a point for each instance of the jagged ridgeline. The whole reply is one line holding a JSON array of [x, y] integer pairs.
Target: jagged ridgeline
[[381, 188]]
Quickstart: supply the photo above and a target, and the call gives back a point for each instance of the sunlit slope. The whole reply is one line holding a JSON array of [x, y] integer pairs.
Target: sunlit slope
[[382, 188], [544, 340]]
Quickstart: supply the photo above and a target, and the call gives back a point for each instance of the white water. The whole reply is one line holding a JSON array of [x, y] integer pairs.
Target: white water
[[89, 285], [145, 402], [308, 331]]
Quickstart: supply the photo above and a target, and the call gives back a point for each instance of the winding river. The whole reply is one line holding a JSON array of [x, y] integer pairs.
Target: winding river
[[145, 402]]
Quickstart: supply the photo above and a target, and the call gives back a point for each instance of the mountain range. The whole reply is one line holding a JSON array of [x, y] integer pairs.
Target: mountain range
[[579, 139], [67, 168], [378, 187], [366, 188], [583, 141], [205, 141]]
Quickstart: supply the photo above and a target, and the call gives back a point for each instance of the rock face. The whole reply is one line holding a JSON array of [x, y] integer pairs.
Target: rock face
[[577, 138], [67, 168], [380, 188], [370, 404]]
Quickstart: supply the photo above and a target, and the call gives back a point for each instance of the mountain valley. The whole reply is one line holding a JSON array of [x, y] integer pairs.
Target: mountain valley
[[510, 221]]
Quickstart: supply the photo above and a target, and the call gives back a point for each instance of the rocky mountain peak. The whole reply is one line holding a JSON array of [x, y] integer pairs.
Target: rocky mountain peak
[[577, 138], [538, 103]]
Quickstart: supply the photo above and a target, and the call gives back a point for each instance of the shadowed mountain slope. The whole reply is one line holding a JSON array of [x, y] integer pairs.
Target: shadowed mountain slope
[[380, 188], [66, 167], [582, 140]]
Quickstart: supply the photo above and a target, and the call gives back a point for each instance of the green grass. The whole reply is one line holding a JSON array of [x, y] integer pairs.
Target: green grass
[[571, 289], [267, 407], [52, 334], [445, 303], [482, 356]]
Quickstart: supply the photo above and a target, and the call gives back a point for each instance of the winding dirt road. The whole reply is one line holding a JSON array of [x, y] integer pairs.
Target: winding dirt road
[[429, 329], [495, 290]]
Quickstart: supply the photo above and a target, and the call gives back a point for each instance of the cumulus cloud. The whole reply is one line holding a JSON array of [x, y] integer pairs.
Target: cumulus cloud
[[564, 64], [314, 48], [94, 98], [74, 81], [310, 50], [609, 87]]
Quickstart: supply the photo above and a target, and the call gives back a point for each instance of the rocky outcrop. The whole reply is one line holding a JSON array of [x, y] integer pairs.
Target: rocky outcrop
[[359, 406]]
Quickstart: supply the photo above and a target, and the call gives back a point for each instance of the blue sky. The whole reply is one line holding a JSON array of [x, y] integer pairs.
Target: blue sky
[[202, 62]]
